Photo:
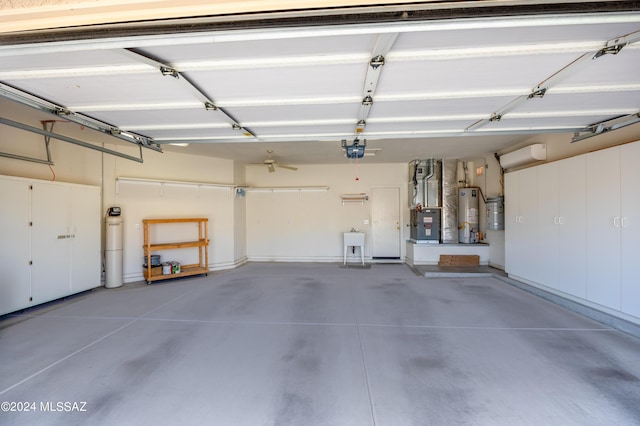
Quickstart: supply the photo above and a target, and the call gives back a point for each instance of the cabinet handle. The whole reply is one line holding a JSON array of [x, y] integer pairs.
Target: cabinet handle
[[622, 225], [561, 220], [616, 222], [555, 220]]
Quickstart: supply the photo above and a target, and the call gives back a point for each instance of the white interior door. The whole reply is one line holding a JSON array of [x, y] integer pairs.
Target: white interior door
[[385, 223]]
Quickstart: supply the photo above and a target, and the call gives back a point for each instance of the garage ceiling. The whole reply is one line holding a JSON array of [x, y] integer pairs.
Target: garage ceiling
[[453, 87]]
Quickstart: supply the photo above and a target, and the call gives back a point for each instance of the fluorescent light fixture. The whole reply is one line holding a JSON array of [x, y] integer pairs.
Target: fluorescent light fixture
[[180, 144]]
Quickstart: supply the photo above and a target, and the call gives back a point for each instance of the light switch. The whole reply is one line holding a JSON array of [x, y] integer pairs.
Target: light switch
[[366, 221]]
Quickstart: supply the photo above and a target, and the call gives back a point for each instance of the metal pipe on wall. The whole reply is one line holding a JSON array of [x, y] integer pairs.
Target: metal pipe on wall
[[449, 201]]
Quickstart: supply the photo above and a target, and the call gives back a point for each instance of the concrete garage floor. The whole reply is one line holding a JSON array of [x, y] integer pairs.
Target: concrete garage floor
[[316, 344]]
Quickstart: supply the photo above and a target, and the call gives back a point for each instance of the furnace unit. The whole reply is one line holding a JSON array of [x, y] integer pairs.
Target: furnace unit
[[425, 226]]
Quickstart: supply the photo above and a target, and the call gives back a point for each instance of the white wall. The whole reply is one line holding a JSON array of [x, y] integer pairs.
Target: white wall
[[143, 200], [300, 226], [80, 165]]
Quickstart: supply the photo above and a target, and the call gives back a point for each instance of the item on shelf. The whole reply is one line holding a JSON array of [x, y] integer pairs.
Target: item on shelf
[[166, 268], [155, 261], [200, 242]]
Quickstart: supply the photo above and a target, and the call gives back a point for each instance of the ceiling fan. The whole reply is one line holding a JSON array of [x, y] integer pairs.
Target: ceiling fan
[[272, 164]]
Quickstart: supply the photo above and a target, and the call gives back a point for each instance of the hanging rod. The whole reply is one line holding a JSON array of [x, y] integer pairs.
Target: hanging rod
[[68, 139]]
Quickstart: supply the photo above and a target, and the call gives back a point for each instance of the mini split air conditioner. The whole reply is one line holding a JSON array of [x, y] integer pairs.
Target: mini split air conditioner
[[522, 156]]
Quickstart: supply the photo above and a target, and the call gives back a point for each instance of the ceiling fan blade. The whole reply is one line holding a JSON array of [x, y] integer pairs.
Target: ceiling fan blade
[[271, 168], [284, 166]]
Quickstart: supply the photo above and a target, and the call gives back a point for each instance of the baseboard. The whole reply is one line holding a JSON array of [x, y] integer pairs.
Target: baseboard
[[612, 319]]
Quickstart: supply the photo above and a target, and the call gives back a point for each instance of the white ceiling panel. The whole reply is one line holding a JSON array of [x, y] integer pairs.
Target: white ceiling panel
[[62, 60], [193, 133], [417, 126], [293, 82], [516, 35], [264, 49], [306, 84], [305, 112], [107, 89], [579, 103], [149, 119], [438, 107], [621, 68], [520, 71], [542, 124]]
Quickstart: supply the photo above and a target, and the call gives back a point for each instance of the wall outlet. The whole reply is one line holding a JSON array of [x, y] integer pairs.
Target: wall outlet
[[137, 226]]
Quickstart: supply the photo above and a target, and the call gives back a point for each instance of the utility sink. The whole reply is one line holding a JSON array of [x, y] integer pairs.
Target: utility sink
[[353, 238]]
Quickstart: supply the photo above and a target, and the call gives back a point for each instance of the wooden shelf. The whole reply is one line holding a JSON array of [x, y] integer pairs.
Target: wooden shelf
[[201, 242], [186, 244], [185, 271]]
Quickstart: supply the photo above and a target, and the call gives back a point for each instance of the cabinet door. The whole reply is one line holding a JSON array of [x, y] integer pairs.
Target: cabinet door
[[630, 222], [528, 223], [548, 224], [86, 265], [14, 245], [50, 242], [603, 227], [572, 226], [511, 215], [521, 223]]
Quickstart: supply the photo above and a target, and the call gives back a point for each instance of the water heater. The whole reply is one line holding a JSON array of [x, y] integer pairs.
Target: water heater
[[468, 219]]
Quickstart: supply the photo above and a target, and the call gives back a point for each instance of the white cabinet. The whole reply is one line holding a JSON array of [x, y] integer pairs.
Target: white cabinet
[[14, 245], [572, 227], [548, 232], [521, 223], [630, 228], [85, 226], [50, 241], [562, 225], [603, 224], [588, 240]]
